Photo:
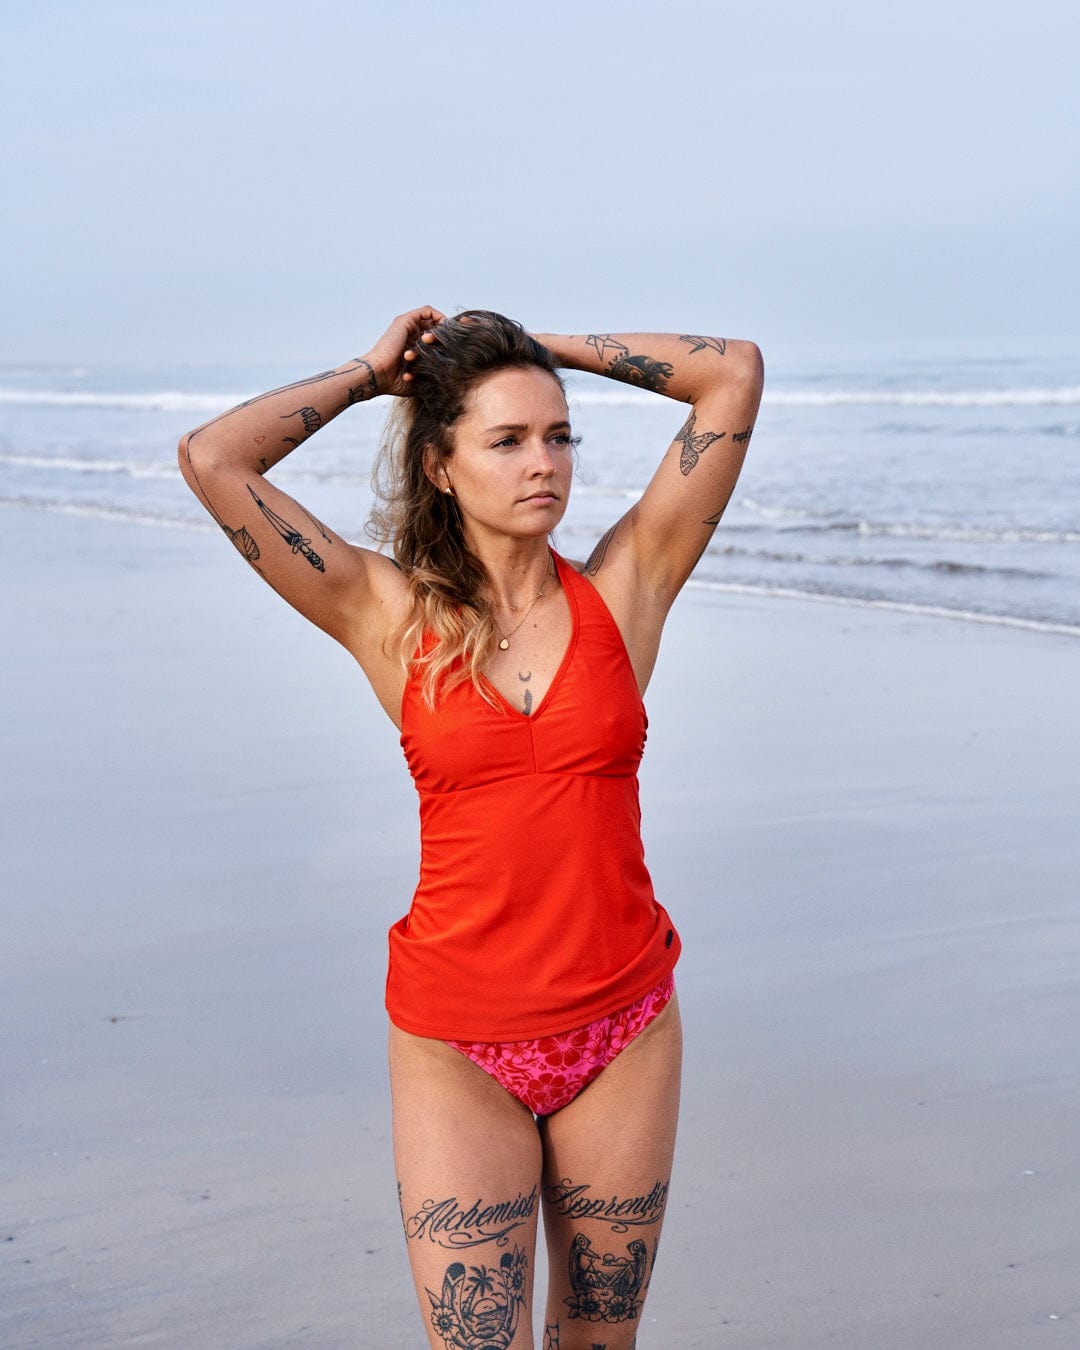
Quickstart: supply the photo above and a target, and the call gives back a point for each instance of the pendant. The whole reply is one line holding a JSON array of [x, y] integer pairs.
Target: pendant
[[504, 645]]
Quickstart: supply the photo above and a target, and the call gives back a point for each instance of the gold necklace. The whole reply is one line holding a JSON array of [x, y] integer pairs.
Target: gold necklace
[[504, 638]]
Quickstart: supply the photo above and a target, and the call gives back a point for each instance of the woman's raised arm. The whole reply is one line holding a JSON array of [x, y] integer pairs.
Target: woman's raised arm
[[643, 561], [352, 593]]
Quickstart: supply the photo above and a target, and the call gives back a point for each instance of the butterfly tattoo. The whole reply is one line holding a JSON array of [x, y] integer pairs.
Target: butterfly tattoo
[[694, 444]]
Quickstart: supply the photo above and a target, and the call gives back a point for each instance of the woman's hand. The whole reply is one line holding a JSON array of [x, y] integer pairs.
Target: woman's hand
[[391, 354]]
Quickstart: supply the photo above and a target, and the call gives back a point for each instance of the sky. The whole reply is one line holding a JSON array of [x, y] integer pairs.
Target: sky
[[229, 181]]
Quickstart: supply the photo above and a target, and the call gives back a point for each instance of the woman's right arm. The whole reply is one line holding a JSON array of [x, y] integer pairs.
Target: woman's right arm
[[352, 593]]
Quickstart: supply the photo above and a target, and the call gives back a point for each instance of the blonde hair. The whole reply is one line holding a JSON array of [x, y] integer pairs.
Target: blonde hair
[[451, 632]]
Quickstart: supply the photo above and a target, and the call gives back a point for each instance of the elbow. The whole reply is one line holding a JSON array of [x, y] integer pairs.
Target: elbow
[[183, 458], [749, 363], [196, 461]]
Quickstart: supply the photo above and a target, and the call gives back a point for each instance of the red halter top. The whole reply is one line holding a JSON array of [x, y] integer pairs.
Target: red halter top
[[534, 913]]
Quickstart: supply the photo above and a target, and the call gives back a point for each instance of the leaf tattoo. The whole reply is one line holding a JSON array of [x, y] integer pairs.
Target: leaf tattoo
[[243, 542], [694, 444]]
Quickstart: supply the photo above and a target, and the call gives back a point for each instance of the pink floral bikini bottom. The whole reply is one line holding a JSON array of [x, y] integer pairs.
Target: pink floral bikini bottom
[[548, 1073]]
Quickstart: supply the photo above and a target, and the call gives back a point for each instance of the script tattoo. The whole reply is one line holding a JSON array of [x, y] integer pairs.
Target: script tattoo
[[694, 444], [575, 1202], [481, 1311], [599, 553], [699, 343], [607, 1288], [293, 538], [742, 437], [450, 1224]]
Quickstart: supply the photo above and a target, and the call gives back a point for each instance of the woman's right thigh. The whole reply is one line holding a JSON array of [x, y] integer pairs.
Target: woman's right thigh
[[468, 1161]]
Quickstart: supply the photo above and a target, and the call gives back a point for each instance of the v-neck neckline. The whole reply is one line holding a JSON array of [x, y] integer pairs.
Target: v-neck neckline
[[561, 569]]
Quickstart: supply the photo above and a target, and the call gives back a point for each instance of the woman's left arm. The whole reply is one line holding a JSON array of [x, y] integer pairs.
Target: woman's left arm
[[659, 540]]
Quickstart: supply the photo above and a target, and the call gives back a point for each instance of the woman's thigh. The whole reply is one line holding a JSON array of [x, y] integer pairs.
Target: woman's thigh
[[468, 1164], [607, 1166]]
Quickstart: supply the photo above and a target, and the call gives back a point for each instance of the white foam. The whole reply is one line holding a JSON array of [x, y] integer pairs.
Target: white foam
[[174, 400], [167, 400], [67, 464], [971, 533], [986, 534], [91, 512], [1061, 396], [925, 398]]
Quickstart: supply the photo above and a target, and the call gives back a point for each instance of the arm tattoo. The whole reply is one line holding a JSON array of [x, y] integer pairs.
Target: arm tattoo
[[551, 1336], [694, 444], [597, 556], [715, 518], [699, 343], [602, 343], [641, 371], [259, 398], [743, 437], [312, 420], [366, 390], [292, 537], [317, 523], [245, 544]]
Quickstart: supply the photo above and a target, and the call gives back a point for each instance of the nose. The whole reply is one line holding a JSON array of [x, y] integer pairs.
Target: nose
[[542, 462]]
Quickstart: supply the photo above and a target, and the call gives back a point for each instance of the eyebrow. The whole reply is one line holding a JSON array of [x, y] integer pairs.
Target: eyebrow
[[523, 426]]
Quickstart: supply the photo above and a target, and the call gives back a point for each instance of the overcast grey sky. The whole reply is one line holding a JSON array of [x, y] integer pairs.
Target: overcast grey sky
[[230, 180]]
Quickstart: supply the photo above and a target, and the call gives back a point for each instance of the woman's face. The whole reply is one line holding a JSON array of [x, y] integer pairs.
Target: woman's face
[[513, 456]]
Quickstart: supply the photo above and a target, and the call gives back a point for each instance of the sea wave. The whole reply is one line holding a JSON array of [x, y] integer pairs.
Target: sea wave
[[164, 520], [69, 464], [95, 511], [166, 400], [1067, 395], [802, 520], [175, 400], [167, 470], [945, 566]]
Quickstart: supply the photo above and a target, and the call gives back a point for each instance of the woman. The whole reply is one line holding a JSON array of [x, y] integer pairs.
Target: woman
[[535, 1037]]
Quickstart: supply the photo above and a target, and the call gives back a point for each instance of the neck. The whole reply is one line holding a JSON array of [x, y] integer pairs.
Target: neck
[[518, 572]]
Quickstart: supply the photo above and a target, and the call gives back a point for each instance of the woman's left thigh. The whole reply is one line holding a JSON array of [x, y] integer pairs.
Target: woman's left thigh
[[607, 1168]]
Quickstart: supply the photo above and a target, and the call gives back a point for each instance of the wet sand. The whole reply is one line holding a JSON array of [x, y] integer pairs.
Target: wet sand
[[864, 824]]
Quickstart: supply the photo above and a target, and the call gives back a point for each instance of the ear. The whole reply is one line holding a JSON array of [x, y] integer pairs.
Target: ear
[[435, 470]]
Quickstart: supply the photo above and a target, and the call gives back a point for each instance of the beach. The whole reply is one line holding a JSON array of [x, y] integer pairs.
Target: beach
[[863, 822]]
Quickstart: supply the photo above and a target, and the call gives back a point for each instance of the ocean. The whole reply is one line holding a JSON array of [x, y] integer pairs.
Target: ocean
[[945, 483]]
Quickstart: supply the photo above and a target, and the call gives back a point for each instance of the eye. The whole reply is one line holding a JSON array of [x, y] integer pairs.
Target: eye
[[505, 443], [565, 438]]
